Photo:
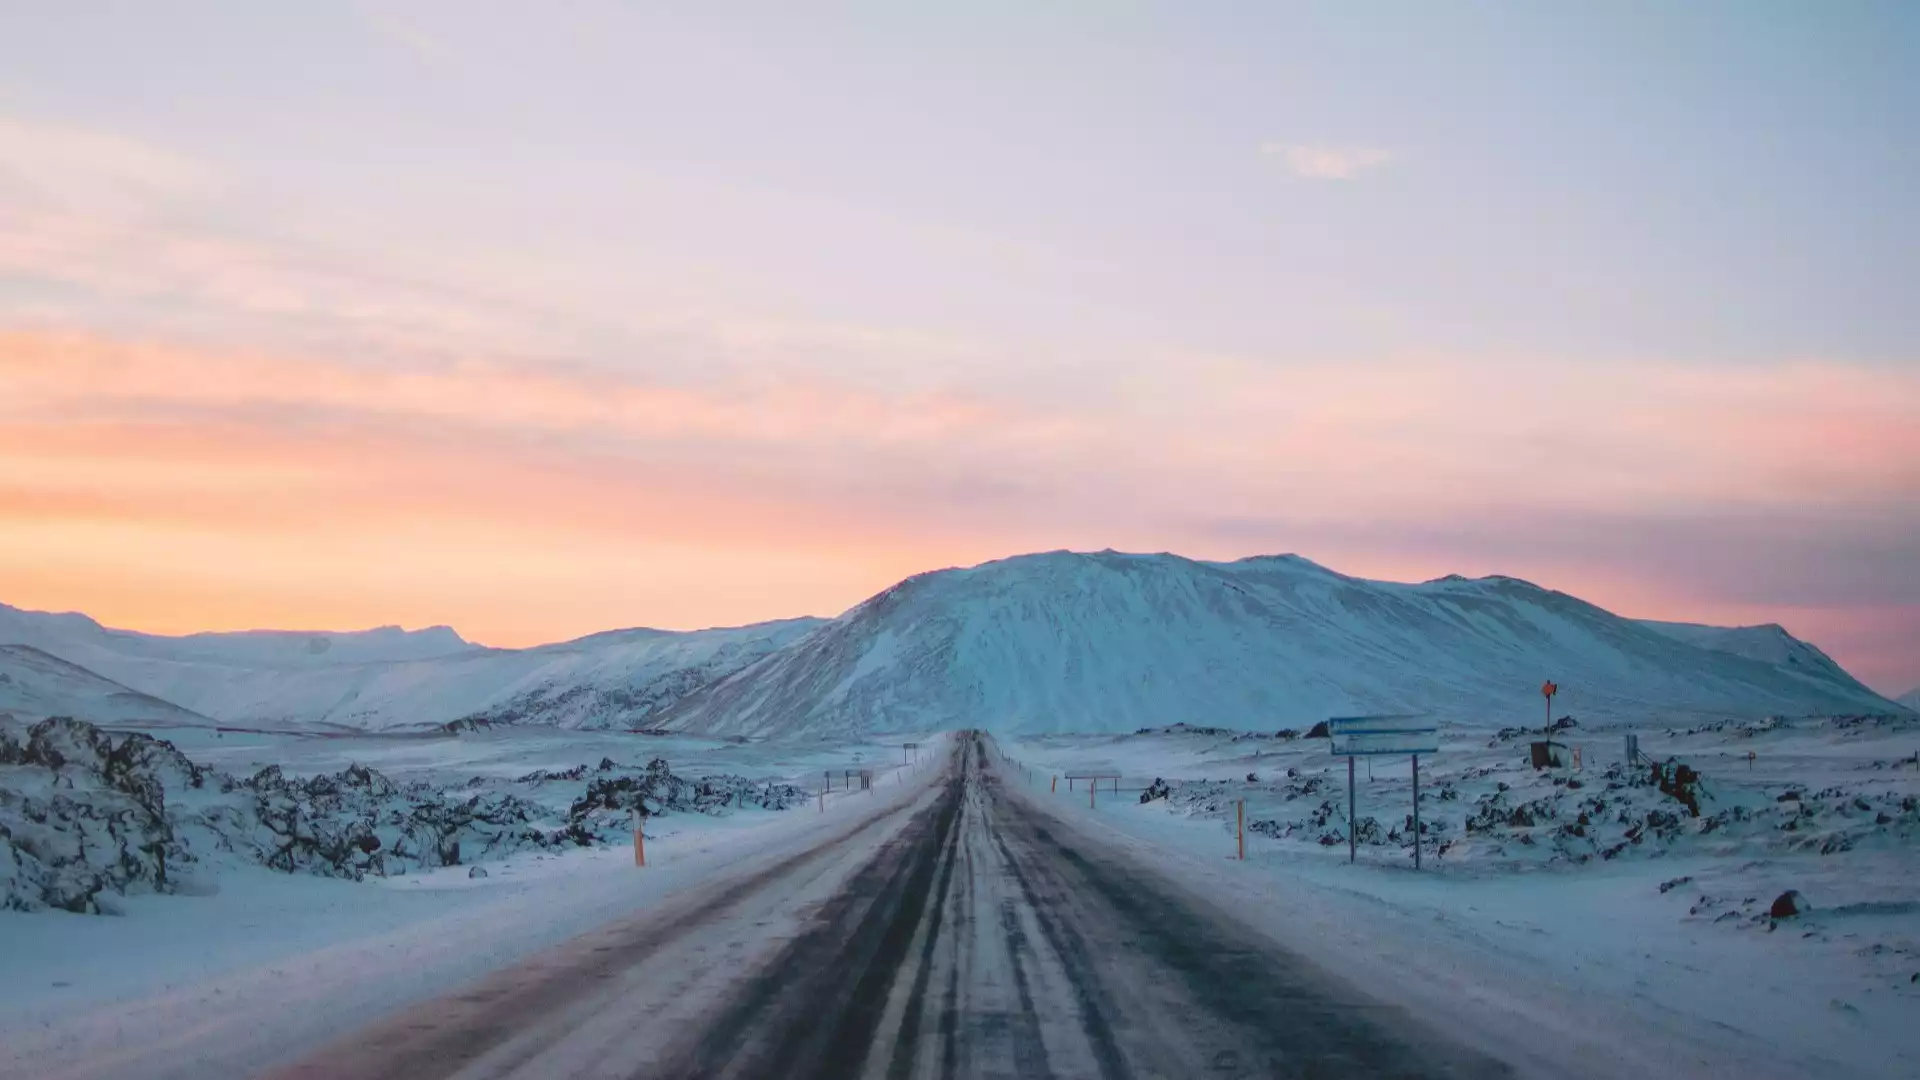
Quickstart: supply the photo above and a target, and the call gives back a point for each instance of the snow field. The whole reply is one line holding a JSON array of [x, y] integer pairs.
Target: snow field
[[1594, 961]]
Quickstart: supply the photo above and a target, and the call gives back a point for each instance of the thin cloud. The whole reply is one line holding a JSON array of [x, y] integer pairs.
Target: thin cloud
[[383, 24], [55, 166], [1324, 161]]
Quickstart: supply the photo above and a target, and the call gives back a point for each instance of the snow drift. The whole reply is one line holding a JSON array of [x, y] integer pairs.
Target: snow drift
[[1112, 642]]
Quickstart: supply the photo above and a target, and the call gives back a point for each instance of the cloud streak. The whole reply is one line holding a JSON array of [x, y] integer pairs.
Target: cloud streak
[[1328, 161]]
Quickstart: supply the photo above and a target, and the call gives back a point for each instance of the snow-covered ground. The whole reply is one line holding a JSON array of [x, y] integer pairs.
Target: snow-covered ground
[[1591, 905], [1671, 934], [507, 752], [257, 964]]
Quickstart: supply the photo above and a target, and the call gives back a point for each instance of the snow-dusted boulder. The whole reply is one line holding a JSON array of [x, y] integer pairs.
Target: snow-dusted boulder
[[84, 814], [81, 813]]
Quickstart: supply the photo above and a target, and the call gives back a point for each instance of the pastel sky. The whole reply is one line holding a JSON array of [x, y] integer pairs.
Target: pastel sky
[[544, 319]]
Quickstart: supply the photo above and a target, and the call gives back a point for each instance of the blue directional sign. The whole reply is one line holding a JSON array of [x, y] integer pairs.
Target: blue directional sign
[[1360, 736]]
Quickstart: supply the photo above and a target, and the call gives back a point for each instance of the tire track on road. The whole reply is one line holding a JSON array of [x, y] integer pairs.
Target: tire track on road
[[799, 1017]]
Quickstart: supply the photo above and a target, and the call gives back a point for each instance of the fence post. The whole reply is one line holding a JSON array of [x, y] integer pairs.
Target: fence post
[[1240, 827], [1056, 783], [639, 838]]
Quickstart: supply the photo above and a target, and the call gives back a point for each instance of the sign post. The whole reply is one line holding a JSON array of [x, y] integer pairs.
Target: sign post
[[1353, 849], [1371, 736], [1547, 690], [1093, 782], [1416, 811]]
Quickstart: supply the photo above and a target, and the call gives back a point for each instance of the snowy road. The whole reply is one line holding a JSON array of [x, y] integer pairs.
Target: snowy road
[[985, 938]]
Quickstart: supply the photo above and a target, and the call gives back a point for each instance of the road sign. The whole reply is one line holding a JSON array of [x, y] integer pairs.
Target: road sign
[[1548, 689], [1366, 736], [1093, 781]]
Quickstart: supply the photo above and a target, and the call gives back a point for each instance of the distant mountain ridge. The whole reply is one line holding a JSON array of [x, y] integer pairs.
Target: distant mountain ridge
[[1911, 699], [251, 648], [38, 684], [1050, 642], [390, 678], [1768, 642]]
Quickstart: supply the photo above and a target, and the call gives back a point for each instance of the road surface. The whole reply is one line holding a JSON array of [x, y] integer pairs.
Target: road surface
[[968, 933]]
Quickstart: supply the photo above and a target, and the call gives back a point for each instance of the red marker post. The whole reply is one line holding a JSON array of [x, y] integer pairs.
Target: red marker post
[[1547, 690]]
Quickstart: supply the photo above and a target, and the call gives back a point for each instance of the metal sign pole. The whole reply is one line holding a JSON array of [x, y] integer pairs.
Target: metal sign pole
[[1352, 840], [1368, 736], [1416, 811]]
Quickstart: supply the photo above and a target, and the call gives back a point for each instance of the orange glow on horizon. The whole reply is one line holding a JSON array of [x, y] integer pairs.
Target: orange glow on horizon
[[172, 489]]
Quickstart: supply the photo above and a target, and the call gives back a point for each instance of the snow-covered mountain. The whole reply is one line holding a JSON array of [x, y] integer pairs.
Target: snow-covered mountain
[[390, 678], [35, 685], [82, 640], [1911, 699], [1114, 642], [1053, 642], [1769, 643]]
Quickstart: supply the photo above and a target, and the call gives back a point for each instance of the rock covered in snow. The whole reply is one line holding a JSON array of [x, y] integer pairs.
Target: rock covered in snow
[[1789, 904], [81, 814], [610, 799], [84, 814]]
